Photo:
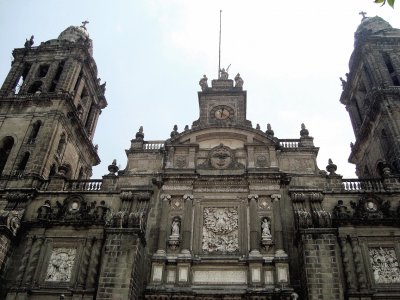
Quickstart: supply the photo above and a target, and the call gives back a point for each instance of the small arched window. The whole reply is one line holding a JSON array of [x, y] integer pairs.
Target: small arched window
[[22, 164], [34, 132], [61, 145], [52, 170], [6, 145]]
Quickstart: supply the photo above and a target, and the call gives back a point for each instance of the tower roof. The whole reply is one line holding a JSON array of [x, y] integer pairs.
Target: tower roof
[[74, 34], [77, 34], [371, 26]]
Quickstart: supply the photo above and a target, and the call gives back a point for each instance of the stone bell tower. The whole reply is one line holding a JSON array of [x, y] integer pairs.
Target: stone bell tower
[[371, 95], [49, 106]]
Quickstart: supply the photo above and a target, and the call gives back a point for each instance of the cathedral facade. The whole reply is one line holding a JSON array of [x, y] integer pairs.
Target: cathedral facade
[[220, 210]]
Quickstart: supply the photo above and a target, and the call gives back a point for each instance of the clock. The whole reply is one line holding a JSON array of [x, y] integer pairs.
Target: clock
[[221, 112]]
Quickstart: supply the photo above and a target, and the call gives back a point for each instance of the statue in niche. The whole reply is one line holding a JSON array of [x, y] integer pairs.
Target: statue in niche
[[266, 228], [175, 228]]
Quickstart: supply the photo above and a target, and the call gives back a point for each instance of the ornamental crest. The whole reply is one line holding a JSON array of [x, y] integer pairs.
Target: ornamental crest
[[384, 265], [220, 230]]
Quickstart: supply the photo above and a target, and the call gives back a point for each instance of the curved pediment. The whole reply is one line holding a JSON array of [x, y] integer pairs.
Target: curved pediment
[[234, 138]]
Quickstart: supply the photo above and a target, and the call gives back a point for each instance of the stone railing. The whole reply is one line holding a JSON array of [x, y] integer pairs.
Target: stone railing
[[153, 145], [359, 185], [289, 143], [83, 185]]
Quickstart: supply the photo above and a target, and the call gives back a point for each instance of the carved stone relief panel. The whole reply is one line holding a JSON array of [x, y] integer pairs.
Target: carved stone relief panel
[[220, 230], [261, 161], [180, 161], [60, 265], [385, 266]]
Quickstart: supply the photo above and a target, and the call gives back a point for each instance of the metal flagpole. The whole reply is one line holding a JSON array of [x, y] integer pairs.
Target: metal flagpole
[[219, 55]]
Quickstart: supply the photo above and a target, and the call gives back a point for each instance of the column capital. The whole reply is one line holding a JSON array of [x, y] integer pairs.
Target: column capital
[[187, 197], [252, 196], [165, 197], [275, 197]]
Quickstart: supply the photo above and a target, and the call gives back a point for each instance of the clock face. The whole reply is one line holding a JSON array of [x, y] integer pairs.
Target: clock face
[[222, 112]]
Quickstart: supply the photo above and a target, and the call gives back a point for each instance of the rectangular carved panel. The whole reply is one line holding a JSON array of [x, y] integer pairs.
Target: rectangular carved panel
[[385, 265]]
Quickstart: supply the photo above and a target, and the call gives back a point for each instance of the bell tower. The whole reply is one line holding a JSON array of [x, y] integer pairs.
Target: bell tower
[[371, 94], [49, 105]]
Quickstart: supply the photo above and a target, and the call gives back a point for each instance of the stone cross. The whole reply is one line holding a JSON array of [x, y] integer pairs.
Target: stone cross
[[84, 24], [363, 14]]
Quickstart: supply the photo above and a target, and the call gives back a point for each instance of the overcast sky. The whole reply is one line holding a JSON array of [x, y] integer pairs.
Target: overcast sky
[[152, 54]]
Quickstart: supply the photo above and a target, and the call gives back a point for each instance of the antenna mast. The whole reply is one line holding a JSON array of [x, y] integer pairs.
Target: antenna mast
[[219, 54]]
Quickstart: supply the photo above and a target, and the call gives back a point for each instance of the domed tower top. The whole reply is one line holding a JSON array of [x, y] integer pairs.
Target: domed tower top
[[76, 34], [371, 26]]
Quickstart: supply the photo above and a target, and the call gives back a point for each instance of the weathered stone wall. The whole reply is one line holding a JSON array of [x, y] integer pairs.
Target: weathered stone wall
[[320, 275], [120, 276]]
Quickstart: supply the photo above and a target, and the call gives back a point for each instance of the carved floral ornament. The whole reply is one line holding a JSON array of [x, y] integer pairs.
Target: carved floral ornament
[[220, 230]]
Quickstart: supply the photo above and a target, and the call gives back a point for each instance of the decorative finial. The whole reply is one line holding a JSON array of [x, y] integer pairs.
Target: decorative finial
[[186, 127], [331, 167], [84, 24], [363, 14], [258, 127], [113, 167]]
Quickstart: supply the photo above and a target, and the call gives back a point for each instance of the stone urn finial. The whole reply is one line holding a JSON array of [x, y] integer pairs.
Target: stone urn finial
[[113, 167], [331, 167]]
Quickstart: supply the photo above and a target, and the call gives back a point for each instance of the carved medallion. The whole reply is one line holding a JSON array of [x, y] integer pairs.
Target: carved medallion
[[261, 161], [61, 264], [384, 264], [180, 161], [220, 230], [221, 158]]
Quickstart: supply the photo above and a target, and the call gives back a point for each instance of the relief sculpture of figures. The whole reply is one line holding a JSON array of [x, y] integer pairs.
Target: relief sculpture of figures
[[385, 265]]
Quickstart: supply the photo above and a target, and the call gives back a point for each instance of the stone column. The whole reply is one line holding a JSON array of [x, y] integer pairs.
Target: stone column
[[347, 266], [278, 236], [272, 157], [358, 263], [85, 262], [49, 76], [24, 261], [254, 225], [163, 224], [187, 224], [34, 258]]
